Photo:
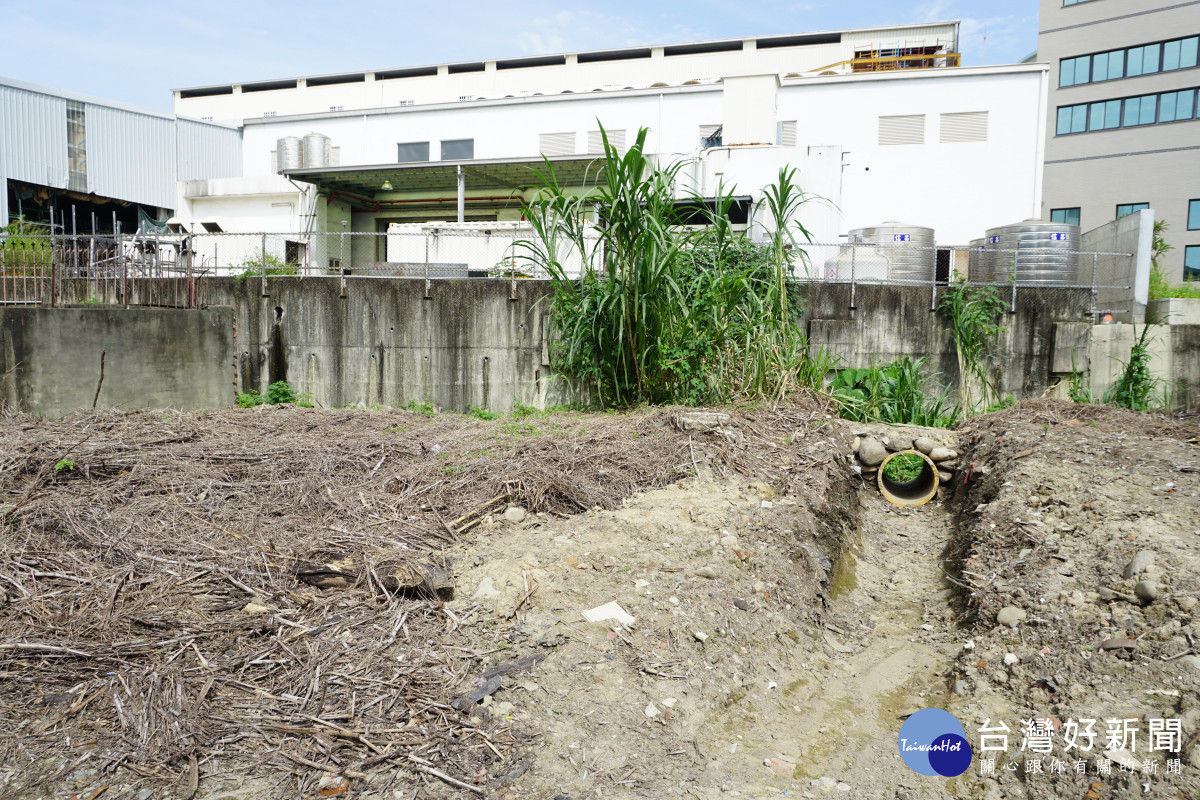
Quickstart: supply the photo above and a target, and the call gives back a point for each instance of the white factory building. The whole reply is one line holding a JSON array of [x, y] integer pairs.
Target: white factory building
[[881, 124]]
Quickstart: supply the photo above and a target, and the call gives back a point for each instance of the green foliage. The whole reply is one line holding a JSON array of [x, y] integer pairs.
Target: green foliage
[[252, 267], [664, 313], [65, 465], [1078, 387], [895, 393], [974, 313], [1135, 388], [1008, 401], [903, 467], [1161, 288], [278, 393], [482, 413], [424, 409], [25, 248]]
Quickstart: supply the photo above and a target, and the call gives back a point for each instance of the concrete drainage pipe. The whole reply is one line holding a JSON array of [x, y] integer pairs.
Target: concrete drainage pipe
[[914, 492]]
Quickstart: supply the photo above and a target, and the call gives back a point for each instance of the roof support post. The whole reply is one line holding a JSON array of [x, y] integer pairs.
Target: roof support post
[[462, 193]]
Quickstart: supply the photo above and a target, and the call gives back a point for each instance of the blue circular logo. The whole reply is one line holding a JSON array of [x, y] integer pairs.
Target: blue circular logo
[[933, 742]]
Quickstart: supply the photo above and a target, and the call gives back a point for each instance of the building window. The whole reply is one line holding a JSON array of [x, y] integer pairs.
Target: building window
[[412, 151], [1191, 263], [1125, 209], [1070, 216], [1194, 215], [906, 129], [1130, 62], [76, 146], [458, 149], [1129, 112]]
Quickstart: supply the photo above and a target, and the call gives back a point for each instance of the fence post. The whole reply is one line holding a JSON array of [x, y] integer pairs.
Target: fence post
[[263, 256], [1095, 311], [124, 267], [1012, 278], [933, 284], [853, 269], [342, 260], [53, 264]]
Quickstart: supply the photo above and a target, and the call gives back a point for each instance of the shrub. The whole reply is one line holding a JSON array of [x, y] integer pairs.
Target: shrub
[[894, 393], [278, 393]]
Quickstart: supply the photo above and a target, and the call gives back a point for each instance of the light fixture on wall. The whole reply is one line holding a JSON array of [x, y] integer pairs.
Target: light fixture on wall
[[387, 186]]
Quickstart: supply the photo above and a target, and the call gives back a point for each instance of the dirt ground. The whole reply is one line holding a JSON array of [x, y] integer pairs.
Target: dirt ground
[[786, 619]]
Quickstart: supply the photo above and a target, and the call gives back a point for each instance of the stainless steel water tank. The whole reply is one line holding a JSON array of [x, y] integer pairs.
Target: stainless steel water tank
[[1034, 253], [978, 264], [907, 251], [288, 154], [318, 150]]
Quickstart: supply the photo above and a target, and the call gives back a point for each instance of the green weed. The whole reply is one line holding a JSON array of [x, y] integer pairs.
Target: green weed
[[65, 465], [424, 409], [904, 467], [482, 413], [895, 393], [278, 393], [974, 313]]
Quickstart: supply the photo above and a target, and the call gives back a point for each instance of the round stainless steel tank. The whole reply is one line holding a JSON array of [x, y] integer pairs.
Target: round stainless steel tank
[[978, 267], [288, 154], [1034, 252], [902, 252], [318, 150]]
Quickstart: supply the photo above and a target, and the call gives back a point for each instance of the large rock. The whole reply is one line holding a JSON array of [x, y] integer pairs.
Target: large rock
[[942, 454], [1138, 564], [872, 452], [925, 444], [899, 443], [1146, 591], [1011, 615], [703, 420]]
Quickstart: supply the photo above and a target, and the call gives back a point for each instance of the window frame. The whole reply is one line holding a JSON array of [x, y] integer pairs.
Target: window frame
[[1191, 251], [400, 160], [1134, 105], [1076, 209], [1193, 204], [1157, 51], [445, 157], [1142, 207]]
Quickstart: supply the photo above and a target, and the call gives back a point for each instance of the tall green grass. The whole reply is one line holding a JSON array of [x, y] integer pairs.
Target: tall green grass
[[662, 312], [897, 393]]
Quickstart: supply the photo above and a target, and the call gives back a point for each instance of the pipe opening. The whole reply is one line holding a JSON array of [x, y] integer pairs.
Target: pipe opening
[[896, 485]]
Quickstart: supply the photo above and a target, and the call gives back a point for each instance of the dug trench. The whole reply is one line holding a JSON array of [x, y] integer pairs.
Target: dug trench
[[767, 621]]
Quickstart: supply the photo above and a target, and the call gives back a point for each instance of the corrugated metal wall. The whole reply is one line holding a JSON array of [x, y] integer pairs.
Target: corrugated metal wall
[[131, 156], [33, 141], [203, 150]]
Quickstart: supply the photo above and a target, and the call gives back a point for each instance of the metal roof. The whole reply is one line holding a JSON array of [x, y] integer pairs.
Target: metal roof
[[100, 101], [509, 174], [616, 52]]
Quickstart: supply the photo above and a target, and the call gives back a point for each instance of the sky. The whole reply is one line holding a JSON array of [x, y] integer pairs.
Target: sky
[[138, 52]]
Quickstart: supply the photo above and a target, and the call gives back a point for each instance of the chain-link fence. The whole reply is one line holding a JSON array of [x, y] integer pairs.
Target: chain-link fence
[[1040, 274], [171, 270]]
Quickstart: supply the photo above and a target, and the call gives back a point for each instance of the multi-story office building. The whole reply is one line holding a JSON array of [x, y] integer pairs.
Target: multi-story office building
[[1123, 130]]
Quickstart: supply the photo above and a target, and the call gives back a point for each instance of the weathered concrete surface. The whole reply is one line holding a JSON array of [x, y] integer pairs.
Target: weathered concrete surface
[[1174, 311], [385, 343], [1174, 359], [892, 321], [153, 358]]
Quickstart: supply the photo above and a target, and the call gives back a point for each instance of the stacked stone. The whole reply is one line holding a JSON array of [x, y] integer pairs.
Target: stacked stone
[[870, 451]]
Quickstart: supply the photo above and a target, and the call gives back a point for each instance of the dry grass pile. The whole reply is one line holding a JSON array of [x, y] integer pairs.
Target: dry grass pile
[[255, 592]]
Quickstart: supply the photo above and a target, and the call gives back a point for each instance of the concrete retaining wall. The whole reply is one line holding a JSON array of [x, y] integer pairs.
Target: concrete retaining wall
[[153, 358]]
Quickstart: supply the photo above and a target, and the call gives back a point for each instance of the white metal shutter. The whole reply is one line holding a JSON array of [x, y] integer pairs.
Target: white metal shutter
[[970, 126], [906, 129], [615, 138], [557, 144], [787, 133]]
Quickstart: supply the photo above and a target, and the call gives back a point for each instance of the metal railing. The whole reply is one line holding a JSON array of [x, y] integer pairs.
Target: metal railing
[[173, 270]]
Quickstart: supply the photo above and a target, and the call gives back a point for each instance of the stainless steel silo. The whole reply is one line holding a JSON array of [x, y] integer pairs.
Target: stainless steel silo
[[901, 252], [318, 150], [288, 153], [1034, 252], [978, 262]]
